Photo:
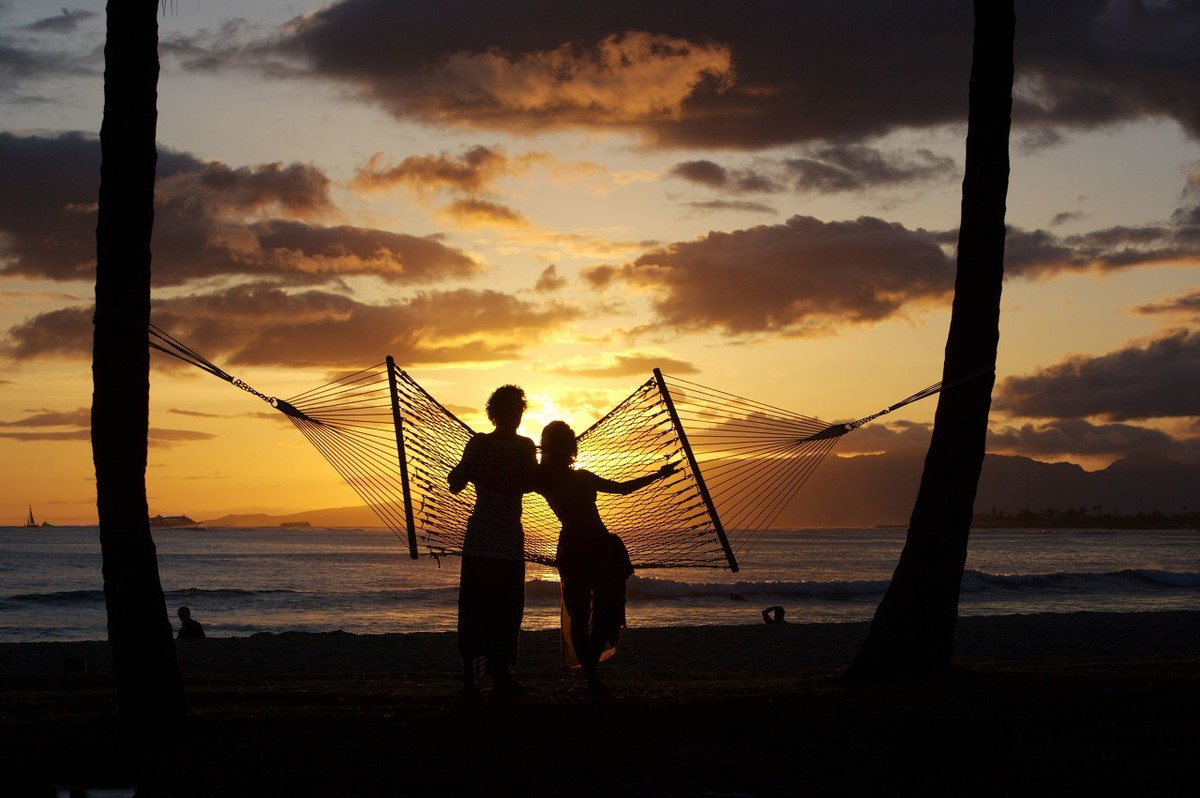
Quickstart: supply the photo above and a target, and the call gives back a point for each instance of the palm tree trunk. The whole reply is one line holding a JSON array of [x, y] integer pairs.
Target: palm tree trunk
[[149, 688], [912, 634]]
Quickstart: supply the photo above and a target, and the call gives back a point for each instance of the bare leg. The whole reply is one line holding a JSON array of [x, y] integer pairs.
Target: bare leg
[[579, 606]]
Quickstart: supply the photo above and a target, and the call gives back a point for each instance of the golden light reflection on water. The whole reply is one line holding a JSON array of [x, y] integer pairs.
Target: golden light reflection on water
[[542, 572]]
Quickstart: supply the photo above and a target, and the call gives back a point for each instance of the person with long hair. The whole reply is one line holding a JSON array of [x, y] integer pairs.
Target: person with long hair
[[593, 564], [491, 592]]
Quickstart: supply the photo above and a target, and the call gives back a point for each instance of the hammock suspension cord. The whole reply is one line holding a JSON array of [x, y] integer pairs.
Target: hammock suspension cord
[[740, 461]]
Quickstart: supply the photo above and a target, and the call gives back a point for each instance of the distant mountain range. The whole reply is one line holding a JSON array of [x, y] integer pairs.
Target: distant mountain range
[[870, 490], [356, 517], [879, 489]]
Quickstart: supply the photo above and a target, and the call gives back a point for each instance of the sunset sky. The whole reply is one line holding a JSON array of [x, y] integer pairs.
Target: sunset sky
[[762, 197]]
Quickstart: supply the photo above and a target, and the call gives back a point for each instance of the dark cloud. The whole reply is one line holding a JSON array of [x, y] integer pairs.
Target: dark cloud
[[1066, 216], [27, 60], [211, 220], [714, 206], [1038, 139], [828, 169], [297, 249], [265, 325], [235, 43], [630, 364], [738, 181], [822, 177], [47, 204], [296, 189], [1040, 253], [806, 274], [66, 332], [21, 62], [65, 22], [1186, 305], [1114, 247], [1081, 438], [791, 277], [732, 74], [1158, 380], [704, 172], [854, 167], [549, 280]]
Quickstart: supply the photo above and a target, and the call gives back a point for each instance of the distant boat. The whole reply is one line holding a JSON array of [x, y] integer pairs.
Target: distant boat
[[296, 524], [175, 522], [32, 524]]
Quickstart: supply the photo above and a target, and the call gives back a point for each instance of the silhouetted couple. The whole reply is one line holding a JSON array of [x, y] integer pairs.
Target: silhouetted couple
[[593, 564]]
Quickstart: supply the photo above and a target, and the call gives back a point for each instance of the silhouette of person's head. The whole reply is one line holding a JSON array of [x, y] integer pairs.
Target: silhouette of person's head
[[505, 407], [185, 614], [559, 447]]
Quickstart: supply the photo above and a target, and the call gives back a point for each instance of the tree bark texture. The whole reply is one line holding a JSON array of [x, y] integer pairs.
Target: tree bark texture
[[912, 633], [149, 687]]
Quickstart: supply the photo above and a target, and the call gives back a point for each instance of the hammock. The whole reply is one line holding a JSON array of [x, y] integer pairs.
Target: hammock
[[740, 462]]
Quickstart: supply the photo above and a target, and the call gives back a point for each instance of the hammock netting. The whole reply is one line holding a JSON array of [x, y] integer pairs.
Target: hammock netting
[[740, 462]]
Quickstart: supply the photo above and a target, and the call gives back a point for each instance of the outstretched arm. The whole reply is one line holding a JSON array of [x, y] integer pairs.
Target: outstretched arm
[[629, 486]]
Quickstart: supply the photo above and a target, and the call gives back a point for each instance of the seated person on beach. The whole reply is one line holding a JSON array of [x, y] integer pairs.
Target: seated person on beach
[[773, 615], [491, 593], [593, 564], [189, 629]]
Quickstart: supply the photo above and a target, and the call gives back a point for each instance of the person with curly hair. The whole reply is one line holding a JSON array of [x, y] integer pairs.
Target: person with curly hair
[[502, 466]]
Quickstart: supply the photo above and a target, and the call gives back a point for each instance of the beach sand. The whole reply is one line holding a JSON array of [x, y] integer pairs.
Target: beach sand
[[1042, 705]]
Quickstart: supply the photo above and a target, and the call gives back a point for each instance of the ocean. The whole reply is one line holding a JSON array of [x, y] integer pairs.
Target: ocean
[[242, 581]]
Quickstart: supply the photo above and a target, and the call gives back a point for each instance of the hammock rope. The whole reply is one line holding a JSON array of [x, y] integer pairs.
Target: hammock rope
[[740, 462]]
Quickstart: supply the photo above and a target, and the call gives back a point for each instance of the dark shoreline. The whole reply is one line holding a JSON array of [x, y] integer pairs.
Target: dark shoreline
[[1081, 703], [980, 639]]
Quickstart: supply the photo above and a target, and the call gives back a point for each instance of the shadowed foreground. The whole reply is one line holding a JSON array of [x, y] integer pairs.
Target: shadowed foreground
[[1046, 704]]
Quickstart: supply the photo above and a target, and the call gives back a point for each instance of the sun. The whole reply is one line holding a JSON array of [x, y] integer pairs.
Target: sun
[[542, 410]]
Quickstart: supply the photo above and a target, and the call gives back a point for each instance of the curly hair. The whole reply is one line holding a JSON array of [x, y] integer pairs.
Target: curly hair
[[505, 400], [559, 446]]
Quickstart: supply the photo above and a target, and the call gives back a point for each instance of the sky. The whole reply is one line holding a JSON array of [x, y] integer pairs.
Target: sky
[[759, 197]]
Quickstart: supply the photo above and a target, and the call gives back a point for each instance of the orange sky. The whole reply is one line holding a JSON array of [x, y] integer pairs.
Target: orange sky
[[753, 198]]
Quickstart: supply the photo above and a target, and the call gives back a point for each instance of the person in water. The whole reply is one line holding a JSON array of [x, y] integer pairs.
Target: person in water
[[593, 564], [491, 594]]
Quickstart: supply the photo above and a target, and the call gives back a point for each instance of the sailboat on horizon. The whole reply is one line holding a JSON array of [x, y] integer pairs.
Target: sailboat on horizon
[[32, 524]]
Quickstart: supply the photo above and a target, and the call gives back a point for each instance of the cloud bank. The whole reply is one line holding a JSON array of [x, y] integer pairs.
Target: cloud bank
[[1160, 379], [266, 325], [211, 220], [729, 74]]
